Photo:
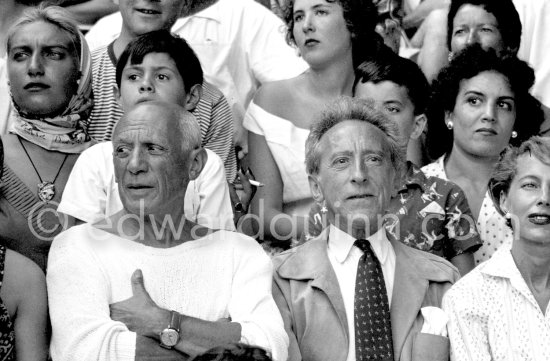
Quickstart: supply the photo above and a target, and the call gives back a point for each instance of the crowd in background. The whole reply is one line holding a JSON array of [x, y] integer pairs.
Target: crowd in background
[[240, 179]]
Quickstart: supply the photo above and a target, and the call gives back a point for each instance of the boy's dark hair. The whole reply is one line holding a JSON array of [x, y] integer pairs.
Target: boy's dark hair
[[509, 23], [162, 41], [467, 64], [401, 71]]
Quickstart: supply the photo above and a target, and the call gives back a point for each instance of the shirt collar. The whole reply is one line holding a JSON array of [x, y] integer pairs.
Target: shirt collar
[[414, 178], [211, 13], [501, 264], [341, 244]]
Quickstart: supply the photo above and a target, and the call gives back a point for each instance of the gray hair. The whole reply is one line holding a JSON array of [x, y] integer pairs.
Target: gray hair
[[347, 108], [54, 15], [506, 169], [190, 131]]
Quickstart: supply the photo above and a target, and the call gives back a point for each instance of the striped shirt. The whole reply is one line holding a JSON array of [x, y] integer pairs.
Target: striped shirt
[[212, 111]]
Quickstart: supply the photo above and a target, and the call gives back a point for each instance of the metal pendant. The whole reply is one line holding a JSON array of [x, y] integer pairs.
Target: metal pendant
[[46, 191]]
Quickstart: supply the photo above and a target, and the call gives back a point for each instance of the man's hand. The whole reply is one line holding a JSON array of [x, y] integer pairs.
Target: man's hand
[[140, 313]]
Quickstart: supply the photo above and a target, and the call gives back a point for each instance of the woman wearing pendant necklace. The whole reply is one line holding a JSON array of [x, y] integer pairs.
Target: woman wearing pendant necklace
[[49, 71]]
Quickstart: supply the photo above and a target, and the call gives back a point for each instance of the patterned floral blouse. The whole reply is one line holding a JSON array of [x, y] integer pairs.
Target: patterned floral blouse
[[491, 225], [429, 213], [7, 334]]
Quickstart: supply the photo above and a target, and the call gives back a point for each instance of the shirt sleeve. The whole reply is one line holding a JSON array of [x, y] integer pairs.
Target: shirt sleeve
[[85, 196], [460, 225], [78, 299], [467, 326], [215, 210], [219, 135], [270, 57], [252, 304]]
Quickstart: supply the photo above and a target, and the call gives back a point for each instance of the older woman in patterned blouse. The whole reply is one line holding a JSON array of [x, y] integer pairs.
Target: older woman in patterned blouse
[[500, 311]]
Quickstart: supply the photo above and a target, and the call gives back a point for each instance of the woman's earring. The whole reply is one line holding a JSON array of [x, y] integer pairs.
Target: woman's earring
[[514, 134], [507, 215], [450, 125], [451, 55]]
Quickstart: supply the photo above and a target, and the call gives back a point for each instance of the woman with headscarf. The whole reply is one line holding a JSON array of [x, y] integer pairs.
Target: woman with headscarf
[[49, 71]]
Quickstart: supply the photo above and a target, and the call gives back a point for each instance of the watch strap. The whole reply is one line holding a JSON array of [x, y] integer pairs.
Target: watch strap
[[175, 321]]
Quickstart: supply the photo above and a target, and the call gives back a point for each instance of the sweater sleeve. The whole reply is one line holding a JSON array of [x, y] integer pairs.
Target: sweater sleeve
[[252, 303], [78, 299]]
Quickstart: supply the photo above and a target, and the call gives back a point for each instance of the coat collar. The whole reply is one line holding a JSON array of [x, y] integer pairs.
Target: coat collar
[[413, 273]]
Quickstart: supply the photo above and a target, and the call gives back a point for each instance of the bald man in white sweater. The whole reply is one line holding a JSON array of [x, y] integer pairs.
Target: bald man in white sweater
[[147, 283]]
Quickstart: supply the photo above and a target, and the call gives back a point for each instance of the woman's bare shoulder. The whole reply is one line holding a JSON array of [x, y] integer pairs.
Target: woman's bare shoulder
[[23, 280], [277, 95], [21, 271]]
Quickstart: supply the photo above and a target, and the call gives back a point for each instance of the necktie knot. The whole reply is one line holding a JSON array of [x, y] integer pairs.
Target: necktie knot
[[363, 245]]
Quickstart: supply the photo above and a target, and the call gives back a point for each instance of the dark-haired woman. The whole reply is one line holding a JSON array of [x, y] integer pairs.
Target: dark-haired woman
[[332, 36], [481, 103]]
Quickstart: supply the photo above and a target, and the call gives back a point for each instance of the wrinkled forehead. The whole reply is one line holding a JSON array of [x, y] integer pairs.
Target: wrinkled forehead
[[147, 122], [40, 33], [356, 136]]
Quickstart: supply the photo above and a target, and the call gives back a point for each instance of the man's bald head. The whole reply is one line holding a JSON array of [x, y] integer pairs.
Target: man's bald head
[[167, 116], [156, 152]]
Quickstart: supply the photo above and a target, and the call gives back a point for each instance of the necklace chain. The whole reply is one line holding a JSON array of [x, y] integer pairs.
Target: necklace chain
[[44, 185]]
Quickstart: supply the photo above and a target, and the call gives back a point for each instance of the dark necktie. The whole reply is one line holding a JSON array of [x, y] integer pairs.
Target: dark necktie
[[373, 338]]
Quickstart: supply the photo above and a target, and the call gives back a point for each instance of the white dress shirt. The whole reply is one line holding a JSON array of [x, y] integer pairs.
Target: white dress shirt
[[493, 316], [344, 257]]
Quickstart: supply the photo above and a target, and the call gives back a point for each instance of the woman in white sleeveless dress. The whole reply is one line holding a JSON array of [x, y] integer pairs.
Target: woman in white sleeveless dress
[[332, 36]]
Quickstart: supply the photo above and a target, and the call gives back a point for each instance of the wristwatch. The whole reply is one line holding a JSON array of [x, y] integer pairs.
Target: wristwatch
[[170, 336]]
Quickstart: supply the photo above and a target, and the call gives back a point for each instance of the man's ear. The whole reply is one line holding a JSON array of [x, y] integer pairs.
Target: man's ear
[[315, 187], [198, 160], [193, 96], [418, 126], [118, 96]]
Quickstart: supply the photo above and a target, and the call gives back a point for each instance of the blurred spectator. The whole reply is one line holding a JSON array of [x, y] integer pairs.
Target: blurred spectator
[[234, 352], [239, 43], [87, 12]]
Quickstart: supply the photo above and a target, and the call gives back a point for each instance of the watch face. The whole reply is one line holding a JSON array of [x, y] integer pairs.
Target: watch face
[[169, 337]]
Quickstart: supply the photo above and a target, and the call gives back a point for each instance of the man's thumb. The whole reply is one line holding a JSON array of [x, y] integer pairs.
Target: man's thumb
[[138, 286]]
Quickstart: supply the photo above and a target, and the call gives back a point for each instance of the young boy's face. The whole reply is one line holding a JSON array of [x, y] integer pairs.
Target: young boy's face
[[393, 100], [156, 78], [143, 16]]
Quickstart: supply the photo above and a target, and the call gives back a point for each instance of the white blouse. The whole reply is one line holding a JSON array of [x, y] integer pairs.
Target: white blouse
[[494, 316]]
